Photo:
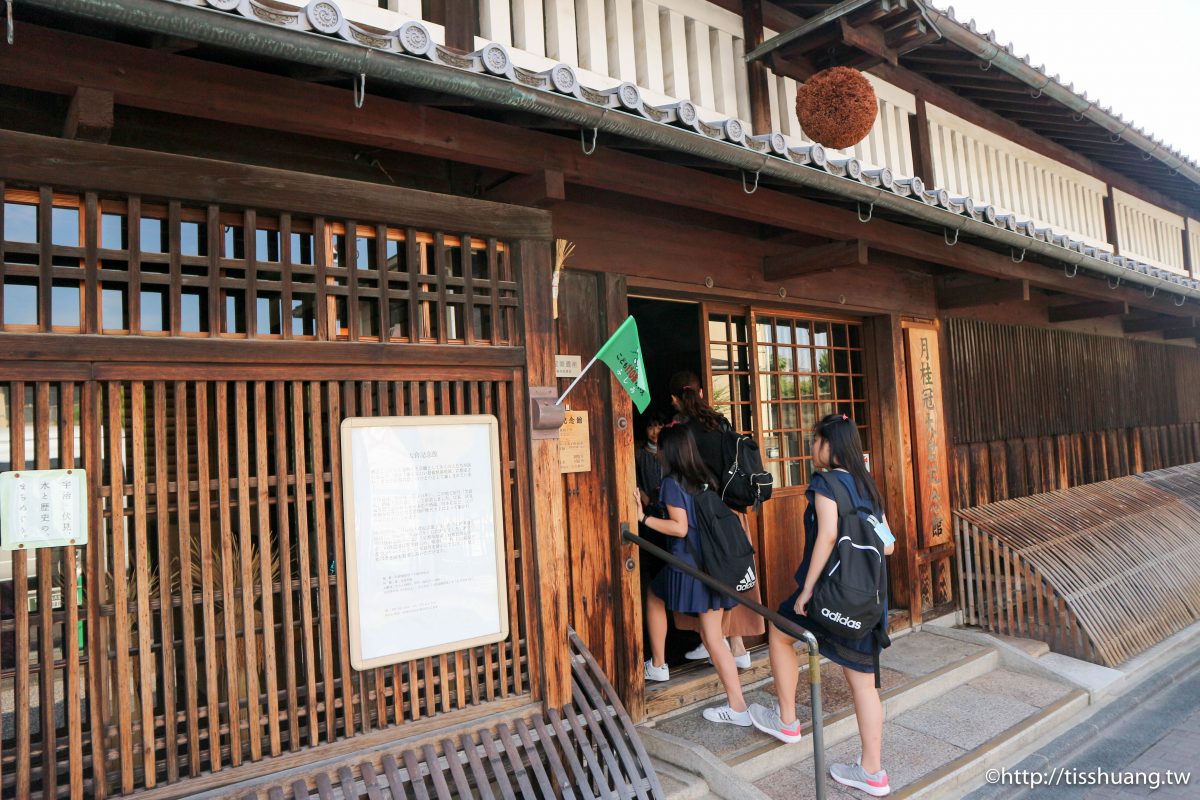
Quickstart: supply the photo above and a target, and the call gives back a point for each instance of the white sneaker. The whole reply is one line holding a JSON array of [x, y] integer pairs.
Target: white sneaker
[[725, 714], [742, 661], [654, 673], [700, 653]]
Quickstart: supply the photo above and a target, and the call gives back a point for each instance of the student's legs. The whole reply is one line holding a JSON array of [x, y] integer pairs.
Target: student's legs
[[785, 667], [736, 645], [869, 711], [714, 642], [656, 622]]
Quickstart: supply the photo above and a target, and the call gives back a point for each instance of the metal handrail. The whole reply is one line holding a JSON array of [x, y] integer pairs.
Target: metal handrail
[[783, 623]]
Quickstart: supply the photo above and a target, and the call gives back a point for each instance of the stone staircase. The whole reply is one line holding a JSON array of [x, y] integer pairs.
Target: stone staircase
[[952, 710]]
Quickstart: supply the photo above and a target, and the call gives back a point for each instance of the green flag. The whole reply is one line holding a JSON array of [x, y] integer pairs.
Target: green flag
[[623, 354]]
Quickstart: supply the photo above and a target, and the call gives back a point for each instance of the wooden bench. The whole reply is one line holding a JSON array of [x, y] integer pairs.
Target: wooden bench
[[588, 749]]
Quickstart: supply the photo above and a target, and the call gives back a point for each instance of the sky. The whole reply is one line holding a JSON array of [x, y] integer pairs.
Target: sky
[[1141, 59]]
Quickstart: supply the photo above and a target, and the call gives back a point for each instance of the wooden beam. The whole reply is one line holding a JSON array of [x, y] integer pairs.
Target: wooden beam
[[540, 189], [812, 260], [90, 116], [1091, 310], [922, 145], [983, 294], [869, 38], [41, 159], [756, 71], [1181, 333], [1148, 324]]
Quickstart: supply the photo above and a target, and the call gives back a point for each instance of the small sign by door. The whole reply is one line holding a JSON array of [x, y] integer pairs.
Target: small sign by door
[[567, 366], [930, 461], [574, 443]]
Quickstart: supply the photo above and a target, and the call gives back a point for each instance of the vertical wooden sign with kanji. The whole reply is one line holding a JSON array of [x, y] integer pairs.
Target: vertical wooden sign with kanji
[[930, 463]]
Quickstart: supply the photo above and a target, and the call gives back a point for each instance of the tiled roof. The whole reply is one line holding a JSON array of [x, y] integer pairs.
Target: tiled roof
[[413, 39], [991, 37]]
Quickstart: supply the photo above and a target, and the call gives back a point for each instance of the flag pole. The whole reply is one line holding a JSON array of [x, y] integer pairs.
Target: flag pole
[[578, 377]]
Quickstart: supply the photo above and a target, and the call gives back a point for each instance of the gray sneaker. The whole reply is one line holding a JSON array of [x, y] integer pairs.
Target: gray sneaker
[[854, 775], [768, 721]]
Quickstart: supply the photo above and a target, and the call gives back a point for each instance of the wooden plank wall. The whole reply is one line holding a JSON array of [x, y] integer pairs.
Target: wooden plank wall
[[1036, 410], [200, 635]]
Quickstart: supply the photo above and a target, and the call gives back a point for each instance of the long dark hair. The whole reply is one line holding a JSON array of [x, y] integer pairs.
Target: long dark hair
[[681, 458], [685, 386], [846, 451]]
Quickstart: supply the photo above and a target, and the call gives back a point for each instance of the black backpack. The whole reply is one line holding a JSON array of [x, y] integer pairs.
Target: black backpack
[[848, 599], [725, 551], [744, 482]]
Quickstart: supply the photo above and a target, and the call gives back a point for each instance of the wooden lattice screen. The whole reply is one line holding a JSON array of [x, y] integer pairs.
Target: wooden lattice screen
[[203, 626]]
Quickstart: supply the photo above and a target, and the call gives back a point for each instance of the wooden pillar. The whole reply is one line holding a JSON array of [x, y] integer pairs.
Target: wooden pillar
[[891, 441], [922, 147], [756, 71], [630, 679], [549, 525], [458, 18], [1189, 258], [1110, 219]]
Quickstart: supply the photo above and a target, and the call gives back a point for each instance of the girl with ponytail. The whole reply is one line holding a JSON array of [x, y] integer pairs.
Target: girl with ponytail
[[836, 448]]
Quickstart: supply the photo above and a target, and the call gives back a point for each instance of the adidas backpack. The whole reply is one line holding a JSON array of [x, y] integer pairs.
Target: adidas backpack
[[744, 482], [848, 599], [725, 551]]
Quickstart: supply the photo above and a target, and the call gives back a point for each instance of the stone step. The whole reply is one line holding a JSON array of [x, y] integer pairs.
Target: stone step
[[679, 784], [768, 755], [943, 747], [916, 668]]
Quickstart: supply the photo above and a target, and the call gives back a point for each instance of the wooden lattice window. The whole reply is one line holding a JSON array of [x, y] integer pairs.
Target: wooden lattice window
[[806, 368], [729, 363], [125, 265]]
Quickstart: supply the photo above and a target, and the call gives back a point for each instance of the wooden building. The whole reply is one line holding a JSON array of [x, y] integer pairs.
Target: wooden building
[[230, 224]]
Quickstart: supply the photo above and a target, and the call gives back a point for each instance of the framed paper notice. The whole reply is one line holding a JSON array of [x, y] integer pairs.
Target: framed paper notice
[[424, 536]]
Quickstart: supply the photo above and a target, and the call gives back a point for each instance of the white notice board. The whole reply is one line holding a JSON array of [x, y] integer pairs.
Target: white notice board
[[424, 536], [43, 508]]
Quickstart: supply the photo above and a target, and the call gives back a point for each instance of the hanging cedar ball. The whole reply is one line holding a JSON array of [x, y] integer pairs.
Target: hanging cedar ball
[[836, 107]]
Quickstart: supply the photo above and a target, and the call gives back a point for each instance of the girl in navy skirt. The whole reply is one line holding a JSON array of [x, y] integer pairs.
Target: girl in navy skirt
[[684, 477], [837, 448]]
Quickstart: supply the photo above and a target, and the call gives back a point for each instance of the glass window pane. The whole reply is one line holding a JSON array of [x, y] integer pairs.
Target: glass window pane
[[765, 329], [804, 332], [718, 329], [825, 389], [791, 416], [856, 361], [764, 358], [797, 474], [841, 361], [741, 386], [783, 331], [806, 386], [746, 422], [741, 357], [776, 471], [64, 309], [738, 325], [767, 389], [771, 445], [721, 392], [839, 336], [787, 386], [804, 361], [855, 336], [785, 359], [821, 334], [824, 363], [719, 353], [771, 416]]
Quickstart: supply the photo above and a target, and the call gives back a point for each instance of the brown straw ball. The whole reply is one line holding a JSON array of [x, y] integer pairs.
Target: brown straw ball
[[836, 107]]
